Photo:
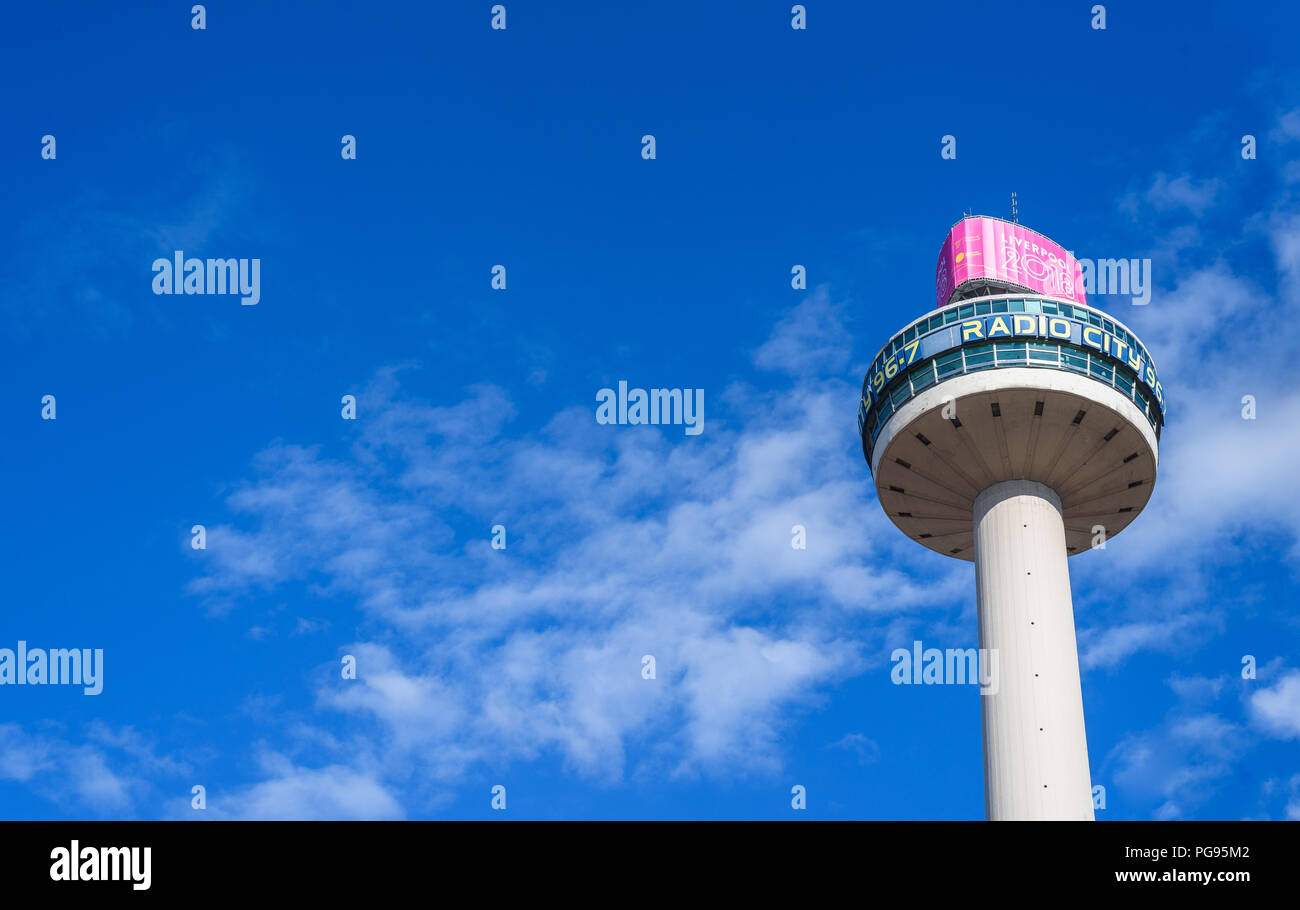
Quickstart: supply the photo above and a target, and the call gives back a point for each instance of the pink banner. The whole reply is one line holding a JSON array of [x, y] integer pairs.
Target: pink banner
[[982, 247]]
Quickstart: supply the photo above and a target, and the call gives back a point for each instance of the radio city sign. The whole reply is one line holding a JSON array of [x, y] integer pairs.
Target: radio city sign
[[1021, 326]]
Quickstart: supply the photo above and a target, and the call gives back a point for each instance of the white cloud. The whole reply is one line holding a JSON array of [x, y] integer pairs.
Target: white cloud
[[619, 545], [810, 339], [863, 747], [1183, 192], [1277, 709], [1214, 336], [1178, 763], [22, 757], [292, 793], [1110, 645], [1293, 804], [109, 774]]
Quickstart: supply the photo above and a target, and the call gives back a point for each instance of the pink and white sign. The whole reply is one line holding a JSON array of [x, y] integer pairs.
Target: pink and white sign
[[981, 247]]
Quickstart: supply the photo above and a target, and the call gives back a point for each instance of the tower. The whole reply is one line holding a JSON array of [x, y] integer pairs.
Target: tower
[[1014, 426]]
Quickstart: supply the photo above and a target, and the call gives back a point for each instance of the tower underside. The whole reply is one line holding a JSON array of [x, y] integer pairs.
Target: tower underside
[[1087, 443]]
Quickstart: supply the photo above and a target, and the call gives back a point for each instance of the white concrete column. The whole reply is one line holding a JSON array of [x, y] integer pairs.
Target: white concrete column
[[1035, 748]]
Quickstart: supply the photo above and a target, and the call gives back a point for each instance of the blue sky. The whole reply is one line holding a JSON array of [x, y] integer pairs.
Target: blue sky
[[521, 667]]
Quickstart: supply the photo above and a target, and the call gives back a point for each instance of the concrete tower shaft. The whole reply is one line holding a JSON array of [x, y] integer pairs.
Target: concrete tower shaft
[[1035, 748]]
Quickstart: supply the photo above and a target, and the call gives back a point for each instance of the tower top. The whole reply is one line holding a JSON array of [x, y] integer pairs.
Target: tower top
[[985, 255]]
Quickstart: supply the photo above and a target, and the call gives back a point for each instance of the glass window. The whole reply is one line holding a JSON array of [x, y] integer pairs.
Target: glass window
[[901, 394], [935, 321], [1100, 370], [1010, 353], [982, 309], [948, 364], [1044, 353], [1049, 307], [979, 357], [1108, 326], [950, 316], [923, 376], [999, 306], [1072, 361], [966, 311], [1094, 319], [1016, 306], [1124, 381], [1065, 310], [1033, 306]]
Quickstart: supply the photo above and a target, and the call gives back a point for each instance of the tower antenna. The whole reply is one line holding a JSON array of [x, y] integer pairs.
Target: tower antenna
[[1014, 219]]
